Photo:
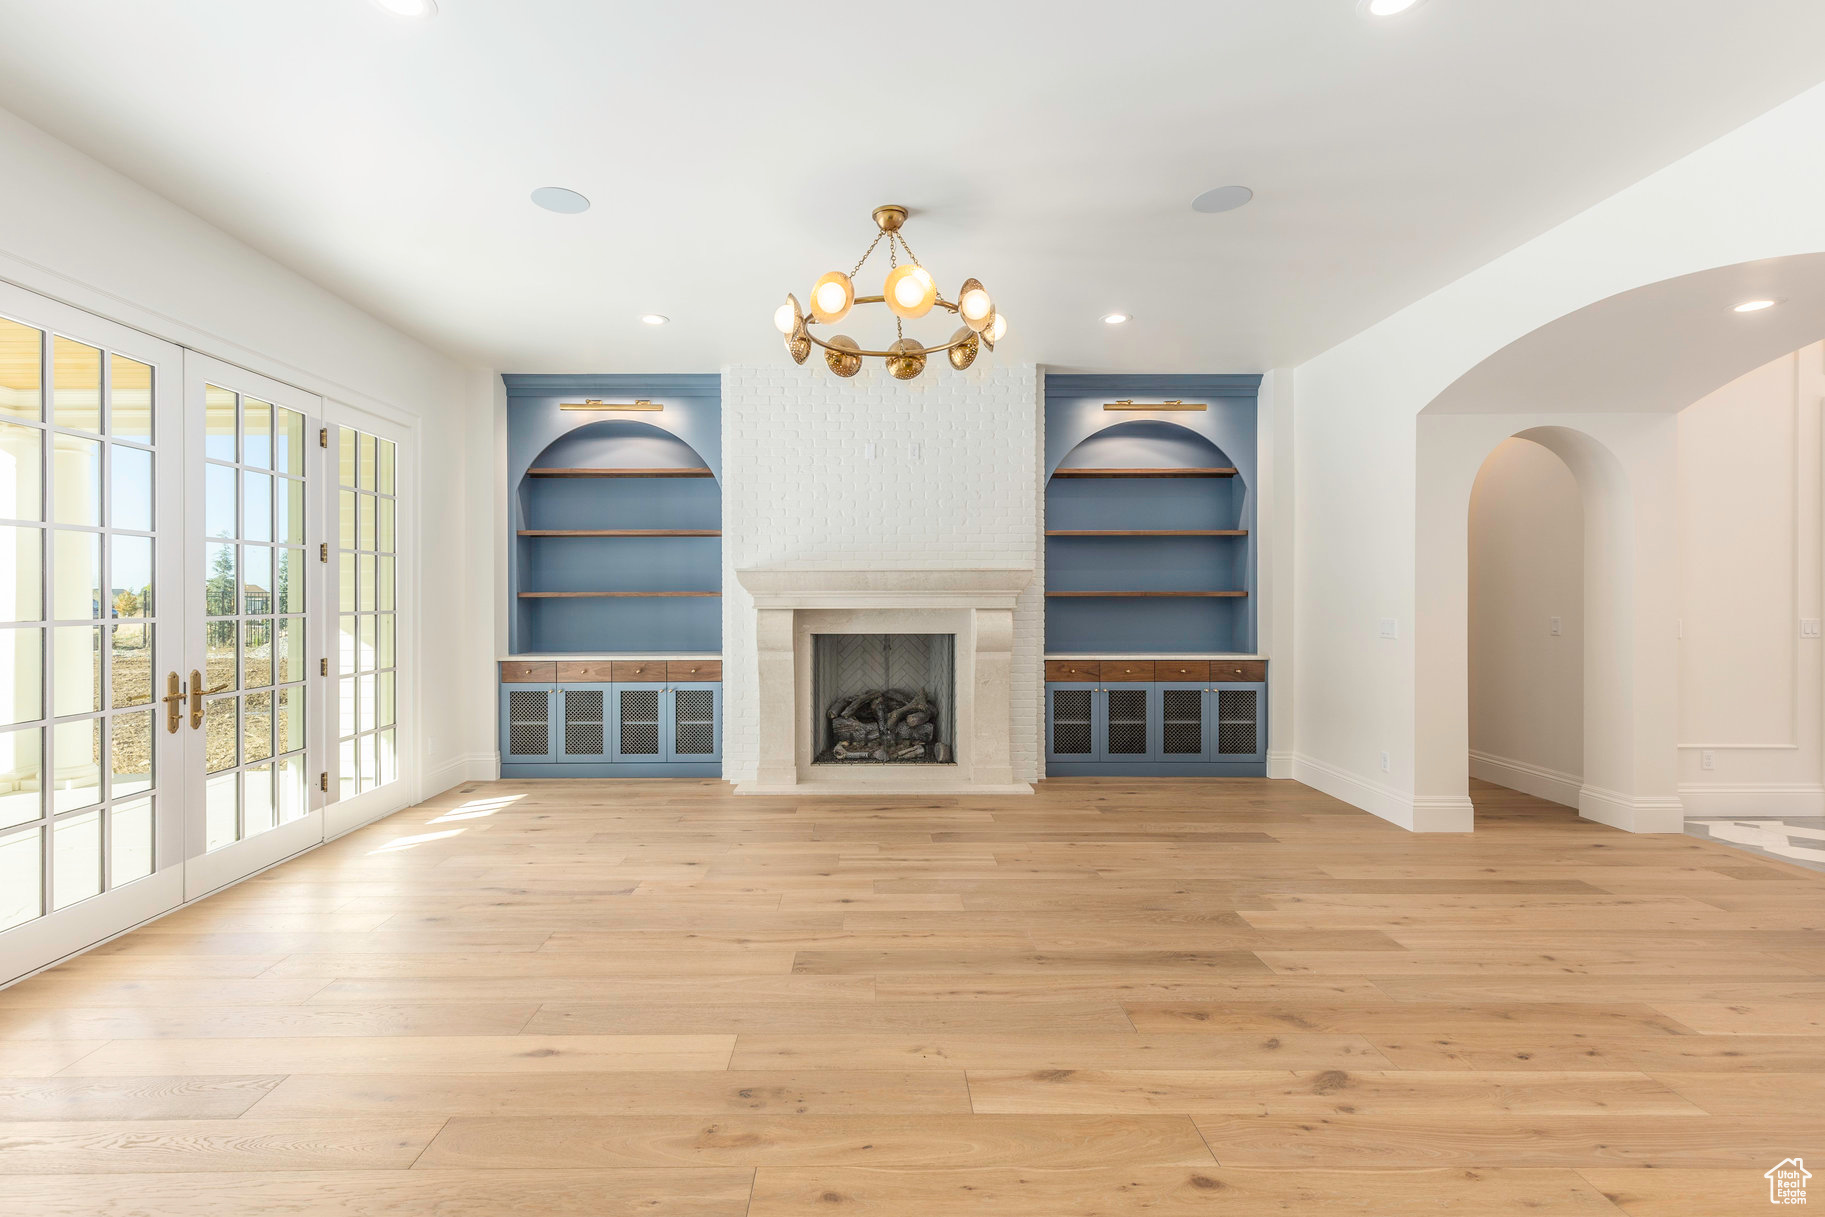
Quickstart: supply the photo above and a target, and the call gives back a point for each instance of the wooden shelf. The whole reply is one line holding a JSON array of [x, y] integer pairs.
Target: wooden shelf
[[1146, 532], [599, 595], [1147, 595], [1146, 473], [689, 472], [620, 532]]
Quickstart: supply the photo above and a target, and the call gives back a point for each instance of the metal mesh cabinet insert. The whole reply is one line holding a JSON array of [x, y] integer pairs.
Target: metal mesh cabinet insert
[[1184, 713], [528, 723], [585, 711], [1071, 726], [639, 722], [695, 712], [1128, 722], [1239, 722]]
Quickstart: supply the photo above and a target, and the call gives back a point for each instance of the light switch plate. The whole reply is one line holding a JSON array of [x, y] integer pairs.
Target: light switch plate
[[1390, 628], [1809, 627], [1554, 626]]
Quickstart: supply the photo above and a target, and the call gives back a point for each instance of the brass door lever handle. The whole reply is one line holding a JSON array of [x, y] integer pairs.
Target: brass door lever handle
[[174, 702], [197, 691]]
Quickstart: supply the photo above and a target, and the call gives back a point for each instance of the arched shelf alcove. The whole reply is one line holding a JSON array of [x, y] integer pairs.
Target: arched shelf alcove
[[617, 544], [1148, 544]]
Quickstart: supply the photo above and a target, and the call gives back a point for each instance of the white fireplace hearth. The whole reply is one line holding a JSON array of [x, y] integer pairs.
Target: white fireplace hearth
[[792, 605]]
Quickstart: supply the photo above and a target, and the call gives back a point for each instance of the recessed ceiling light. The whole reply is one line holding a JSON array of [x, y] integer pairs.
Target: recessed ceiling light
[[1115, 318], [556, 198], [1223, 198], [1388, 8], [655, 319], [409, 8], [1753, 306]]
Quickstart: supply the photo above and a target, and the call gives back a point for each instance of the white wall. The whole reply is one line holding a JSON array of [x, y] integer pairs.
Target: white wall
[[1359, 515], [72, 229], [952, 482], [1749, 518], [1526, 569]]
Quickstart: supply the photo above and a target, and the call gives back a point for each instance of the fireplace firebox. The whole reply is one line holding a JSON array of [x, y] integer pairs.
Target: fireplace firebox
[[884, 699]]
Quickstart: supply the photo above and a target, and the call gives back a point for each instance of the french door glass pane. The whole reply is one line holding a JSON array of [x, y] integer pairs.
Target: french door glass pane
[[21, 776], [132, 845], [22, 655], [21, 371], [130, 488], [130, 403], [21, 469], [21, 877], [76, 857], [76, 385], [76, 478], [78, 669], [130, 665]]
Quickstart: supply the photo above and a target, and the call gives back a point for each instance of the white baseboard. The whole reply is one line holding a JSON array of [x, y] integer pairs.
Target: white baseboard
[[1542, 783], [1425, 813], [453, 772], [481, 767], [1280, 764], [1631, 813], [1753, 799]]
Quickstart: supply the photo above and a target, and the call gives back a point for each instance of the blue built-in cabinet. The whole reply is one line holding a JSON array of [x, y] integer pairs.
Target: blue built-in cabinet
[[1150, 516], [1162, 728], [560, 728], [616, 516]]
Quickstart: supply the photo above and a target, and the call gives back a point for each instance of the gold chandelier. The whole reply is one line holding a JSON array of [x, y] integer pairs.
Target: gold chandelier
[[909, 293]]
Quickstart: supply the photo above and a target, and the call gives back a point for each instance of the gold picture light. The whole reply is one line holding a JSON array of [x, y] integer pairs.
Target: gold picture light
[[593, 404], [1174, 404]]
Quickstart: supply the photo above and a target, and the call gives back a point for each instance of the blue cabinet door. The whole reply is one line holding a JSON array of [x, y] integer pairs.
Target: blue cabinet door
[[1238, 722], [585, 713], [694, 712], [528, 723], [1183, 713], [1129, 724], [641, 719], [1071, 722]]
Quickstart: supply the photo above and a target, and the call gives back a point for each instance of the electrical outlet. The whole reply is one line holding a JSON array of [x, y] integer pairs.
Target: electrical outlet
[[1384, 762], [1554, 626], [1707, 759], [1390, 628], [915, 452]]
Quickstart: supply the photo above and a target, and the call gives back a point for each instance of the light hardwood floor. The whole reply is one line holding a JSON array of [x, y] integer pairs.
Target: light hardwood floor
[[1110, 998]]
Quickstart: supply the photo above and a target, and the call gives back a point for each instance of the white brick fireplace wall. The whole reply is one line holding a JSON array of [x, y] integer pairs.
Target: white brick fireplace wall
[[874, 473]]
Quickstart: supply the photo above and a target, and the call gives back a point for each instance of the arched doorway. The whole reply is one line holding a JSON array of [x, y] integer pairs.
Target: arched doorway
[[1526, 640], [1606, 385]]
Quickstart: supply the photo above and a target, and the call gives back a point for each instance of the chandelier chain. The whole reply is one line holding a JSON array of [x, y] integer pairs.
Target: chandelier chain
[[857, 268], [908, 249]]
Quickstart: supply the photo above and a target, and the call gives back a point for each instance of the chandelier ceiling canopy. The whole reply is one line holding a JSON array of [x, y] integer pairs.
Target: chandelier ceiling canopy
[[909, 292]]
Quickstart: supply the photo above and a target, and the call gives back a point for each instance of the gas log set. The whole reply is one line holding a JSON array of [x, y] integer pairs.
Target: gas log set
[[885, 725]]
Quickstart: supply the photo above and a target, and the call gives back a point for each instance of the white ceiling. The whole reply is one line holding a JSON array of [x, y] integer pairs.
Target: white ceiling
[[1050, 147]]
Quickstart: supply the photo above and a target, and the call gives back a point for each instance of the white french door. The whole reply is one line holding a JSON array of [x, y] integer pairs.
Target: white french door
[[163, 666], [253, 595], [92, 780]]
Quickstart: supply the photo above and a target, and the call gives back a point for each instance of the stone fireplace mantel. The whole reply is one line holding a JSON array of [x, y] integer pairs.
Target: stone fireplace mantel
[[977, 605]]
